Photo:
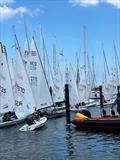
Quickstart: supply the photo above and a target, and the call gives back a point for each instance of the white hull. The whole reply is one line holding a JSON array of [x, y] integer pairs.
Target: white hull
[[56, 114], [80, 108], [36, 125], [11, 123]]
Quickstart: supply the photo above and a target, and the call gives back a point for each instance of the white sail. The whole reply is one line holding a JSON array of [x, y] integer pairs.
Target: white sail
[[26, 54], [12, 71], [82, 86], [38, 79], [58, 95], [110, 86], [24, 100], [6, 92], [73, 92]]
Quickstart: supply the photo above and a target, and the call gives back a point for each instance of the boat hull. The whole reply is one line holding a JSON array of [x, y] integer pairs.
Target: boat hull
[[99, 123], [11, 123], [80, 108], [34, 126]]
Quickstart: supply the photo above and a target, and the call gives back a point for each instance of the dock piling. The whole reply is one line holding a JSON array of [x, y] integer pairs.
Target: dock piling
[[67, 103]]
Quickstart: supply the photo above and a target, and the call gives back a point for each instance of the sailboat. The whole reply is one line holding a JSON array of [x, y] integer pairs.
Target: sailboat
[[110, 83], [73, 90], [24, 99], [38, 82], [7, 101]]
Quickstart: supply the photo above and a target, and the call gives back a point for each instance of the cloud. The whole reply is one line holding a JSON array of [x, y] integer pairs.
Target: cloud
[[8, 12], [84, 3], [115, 3], [3, 2], [87, 3]]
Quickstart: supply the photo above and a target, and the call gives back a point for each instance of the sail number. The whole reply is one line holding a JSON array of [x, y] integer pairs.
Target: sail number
[[19, 89], [2, 90]]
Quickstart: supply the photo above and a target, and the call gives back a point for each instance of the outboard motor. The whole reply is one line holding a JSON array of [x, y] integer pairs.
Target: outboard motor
[[86, 113]]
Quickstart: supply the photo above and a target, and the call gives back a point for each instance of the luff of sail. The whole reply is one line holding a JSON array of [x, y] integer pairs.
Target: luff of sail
[[6, 92], [12, 71]]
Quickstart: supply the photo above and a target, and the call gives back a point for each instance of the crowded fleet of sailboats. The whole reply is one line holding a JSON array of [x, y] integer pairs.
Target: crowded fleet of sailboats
[[26, 91]]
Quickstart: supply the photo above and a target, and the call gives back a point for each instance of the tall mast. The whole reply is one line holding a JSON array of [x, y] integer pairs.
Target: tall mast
[[54, 58], [26, 34], [77, 70], [93, 68], [117, 62], [43, 50], [84, 48], [106, 61]]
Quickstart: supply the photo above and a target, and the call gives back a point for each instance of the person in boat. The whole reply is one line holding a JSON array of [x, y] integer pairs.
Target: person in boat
[[6, 117], [30, 120], [104, 99], [13, 115], [117, 102], [36, 116]]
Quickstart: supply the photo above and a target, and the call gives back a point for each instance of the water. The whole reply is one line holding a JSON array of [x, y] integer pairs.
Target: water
[[56, 141]]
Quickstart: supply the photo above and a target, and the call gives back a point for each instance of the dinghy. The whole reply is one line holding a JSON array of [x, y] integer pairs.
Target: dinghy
[[100, 123], [7, 103], [11, 122], [39, 83], [37, 124]]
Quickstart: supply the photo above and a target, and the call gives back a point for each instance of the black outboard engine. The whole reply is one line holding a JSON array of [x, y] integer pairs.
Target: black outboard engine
[[86, 113]]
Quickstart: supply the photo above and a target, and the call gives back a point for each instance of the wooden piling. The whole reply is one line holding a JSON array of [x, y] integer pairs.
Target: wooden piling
[[118, 89], [101, 97], [67, 103]]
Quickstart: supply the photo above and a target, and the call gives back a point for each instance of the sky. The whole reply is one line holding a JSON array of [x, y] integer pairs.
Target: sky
[[62, 22]]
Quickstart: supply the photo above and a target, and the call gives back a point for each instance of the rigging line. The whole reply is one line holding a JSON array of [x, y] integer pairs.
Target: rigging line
[[106, 61]]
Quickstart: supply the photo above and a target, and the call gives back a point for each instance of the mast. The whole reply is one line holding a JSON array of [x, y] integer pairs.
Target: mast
[[117, 62], [26, 34], [77, 70], [93, 68], [54, 58], [43, 50], [84, 49], [106, 62]]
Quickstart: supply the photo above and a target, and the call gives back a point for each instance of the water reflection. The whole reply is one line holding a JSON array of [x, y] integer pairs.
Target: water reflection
[[71, 148]]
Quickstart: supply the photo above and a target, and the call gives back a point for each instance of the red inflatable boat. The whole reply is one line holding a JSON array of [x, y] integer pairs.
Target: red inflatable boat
[[107, 123]]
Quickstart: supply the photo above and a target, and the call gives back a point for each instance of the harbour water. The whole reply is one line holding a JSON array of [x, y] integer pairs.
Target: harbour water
[[56, 141]]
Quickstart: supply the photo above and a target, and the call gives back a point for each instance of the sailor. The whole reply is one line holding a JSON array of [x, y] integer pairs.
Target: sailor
[[36, 116], [30, 120], [117, 102], [13, 115], [104, 99], [6, 117]]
